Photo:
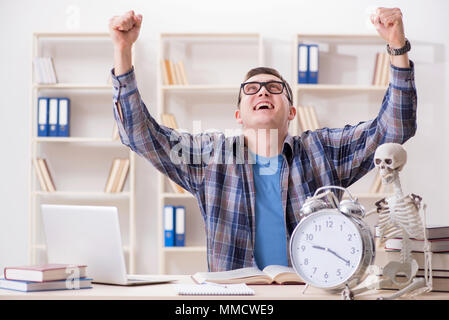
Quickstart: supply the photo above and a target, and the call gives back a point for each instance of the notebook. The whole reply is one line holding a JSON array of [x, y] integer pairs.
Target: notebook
[[208, 289]]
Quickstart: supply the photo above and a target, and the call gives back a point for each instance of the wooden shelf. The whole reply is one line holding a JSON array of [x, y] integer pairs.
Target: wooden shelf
[[168, 93], [99, 88], [44, 247], [199, 87], [185, 249], [76, 140], [178, 195], [76, 86], [339, 87], [72, 35], [82, 194]]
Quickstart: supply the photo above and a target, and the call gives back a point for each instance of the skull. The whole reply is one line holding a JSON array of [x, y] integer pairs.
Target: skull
[[389, 159]]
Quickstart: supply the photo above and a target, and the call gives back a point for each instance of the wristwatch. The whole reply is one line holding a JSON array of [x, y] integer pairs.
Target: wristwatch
[[398, 52]]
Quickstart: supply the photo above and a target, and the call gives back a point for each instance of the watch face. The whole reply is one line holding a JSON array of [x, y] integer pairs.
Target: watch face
[[326, 249]]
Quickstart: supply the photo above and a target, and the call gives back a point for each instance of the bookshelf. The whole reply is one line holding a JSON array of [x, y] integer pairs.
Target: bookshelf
[[345, 92], [210, 97], [80, 163]]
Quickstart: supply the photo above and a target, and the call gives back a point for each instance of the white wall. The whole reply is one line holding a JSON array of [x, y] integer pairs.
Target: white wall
[[426, 25]]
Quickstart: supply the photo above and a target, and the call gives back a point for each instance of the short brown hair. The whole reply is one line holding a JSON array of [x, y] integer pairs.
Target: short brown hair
[[265, 70]]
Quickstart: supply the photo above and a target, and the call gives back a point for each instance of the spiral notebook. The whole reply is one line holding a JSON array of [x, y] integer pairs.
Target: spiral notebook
[[214, 289]]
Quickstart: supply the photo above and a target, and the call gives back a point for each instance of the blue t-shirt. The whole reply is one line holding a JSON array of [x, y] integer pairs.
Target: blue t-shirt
[[271, 238]]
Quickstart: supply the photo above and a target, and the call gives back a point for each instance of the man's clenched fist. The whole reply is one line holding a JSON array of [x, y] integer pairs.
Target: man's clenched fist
[[125, 29], [388, 23]]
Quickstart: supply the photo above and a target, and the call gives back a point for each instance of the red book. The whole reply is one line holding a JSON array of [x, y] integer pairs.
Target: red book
[[45, 272]]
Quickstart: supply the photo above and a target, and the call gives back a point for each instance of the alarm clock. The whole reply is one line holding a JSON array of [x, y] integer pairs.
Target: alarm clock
[[332, 246]]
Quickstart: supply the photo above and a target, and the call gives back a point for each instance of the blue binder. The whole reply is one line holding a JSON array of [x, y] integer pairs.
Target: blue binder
[[169, 226], [42, 117], [53, 117], [63, 117], [303, 53], [313, 63], [180, 218]]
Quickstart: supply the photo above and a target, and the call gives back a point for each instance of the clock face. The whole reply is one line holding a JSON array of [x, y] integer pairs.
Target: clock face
[[326, 249]]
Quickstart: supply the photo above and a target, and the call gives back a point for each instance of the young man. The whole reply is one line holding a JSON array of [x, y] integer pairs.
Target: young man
[[250, 188]]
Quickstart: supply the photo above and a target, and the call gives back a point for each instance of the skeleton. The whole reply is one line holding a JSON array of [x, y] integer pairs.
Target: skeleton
[[399, 217]]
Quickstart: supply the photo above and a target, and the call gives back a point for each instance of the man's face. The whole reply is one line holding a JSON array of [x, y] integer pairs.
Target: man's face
[[265, 110]]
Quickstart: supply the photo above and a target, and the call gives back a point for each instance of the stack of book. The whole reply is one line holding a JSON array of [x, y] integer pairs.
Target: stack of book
[[169, 121], [173, 73], [43, 175], [307, 118], [46, 277], [438, 237], [381, 76], [44, 70], [174, 226], [117, 176], [53, 117]]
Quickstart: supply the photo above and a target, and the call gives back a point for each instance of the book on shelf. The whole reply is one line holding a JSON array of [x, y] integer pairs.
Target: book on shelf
[[117, 175], [30, 286], [44, 70], [45, 272], [381, 76], [307, 118], [40, 177], [251, 275], [53, 117], [174, 226], [43, 175], [308, 63], [173, 73]]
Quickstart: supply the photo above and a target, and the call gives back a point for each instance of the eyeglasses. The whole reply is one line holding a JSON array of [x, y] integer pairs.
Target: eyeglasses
[[273, 87]]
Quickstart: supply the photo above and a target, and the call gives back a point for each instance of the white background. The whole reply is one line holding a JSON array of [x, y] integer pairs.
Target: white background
[[426, 26]]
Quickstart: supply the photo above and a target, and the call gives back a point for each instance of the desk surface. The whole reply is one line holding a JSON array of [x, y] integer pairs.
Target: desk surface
[[167, 292]]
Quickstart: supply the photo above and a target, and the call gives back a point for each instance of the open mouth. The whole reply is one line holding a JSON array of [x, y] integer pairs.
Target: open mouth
[[263, 105]]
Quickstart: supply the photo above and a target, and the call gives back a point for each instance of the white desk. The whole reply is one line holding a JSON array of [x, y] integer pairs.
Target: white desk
[[167, 292]]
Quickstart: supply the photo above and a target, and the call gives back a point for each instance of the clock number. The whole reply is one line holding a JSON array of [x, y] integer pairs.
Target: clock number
[[309, 236], [317, 228], [306, 261], [341, 227], [338, 272], [352, 250], [303, 248], [349, 237], [329, 224], [314, 270], [326, 275]]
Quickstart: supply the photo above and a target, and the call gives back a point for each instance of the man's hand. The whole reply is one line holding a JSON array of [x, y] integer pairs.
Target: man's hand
[[125, 29], [388, 23]]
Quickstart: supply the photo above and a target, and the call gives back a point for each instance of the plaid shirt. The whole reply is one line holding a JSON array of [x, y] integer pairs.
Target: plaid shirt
[[225, 189]]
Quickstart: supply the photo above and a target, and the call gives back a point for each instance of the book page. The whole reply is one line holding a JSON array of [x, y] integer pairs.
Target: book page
[[232, 276], [282, 274]]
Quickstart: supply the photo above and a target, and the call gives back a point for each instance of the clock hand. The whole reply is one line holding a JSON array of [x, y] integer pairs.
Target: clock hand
[[331, 251], [338, 256]]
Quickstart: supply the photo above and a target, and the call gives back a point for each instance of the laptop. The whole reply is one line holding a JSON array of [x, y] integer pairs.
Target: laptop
[[90, 235]]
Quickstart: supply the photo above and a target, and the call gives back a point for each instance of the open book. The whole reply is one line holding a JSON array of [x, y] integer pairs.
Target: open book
[[270, 274]]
